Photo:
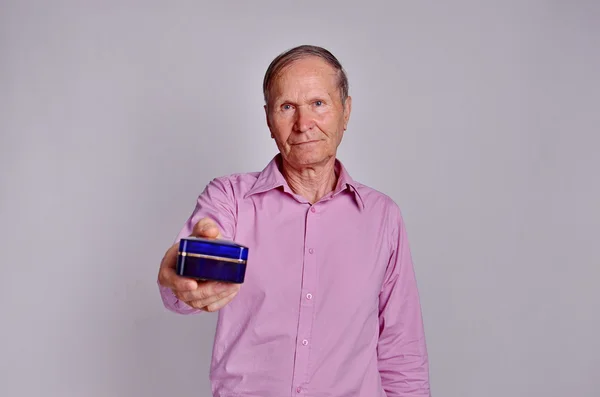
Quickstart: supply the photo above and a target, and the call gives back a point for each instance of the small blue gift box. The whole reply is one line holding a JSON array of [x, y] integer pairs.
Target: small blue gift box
[[208, 259]]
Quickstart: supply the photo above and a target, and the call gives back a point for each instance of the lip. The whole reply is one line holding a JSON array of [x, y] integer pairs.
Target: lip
[[304, 143]]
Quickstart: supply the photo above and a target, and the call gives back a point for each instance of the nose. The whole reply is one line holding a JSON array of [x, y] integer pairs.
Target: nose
[[304, 119]]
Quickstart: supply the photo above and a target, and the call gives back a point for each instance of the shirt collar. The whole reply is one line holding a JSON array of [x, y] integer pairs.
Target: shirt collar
[[271, 178]]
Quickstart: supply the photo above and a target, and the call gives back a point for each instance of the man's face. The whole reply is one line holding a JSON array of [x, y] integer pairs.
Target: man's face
[[305, 112]]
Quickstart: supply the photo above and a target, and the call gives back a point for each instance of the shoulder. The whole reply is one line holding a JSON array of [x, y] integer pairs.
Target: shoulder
[[387, 212], [231, 186], [378, 201], [379, 205]]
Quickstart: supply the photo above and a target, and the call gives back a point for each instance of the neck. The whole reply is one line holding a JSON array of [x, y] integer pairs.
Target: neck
[[312, 182]]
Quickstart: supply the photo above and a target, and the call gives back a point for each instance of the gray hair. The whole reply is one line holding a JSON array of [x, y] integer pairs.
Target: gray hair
[[286, 58]]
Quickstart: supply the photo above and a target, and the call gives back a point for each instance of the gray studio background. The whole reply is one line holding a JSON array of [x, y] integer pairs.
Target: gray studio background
[[479, 119]]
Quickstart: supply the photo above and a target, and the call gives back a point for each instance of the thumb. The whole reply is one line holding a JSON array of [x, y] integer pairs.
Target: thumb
[[211, 231], [207, 228]]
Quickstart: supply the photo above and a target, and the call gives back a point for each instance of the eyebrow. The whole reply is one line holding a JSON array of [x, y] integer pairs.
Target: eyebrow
[[282, 100]]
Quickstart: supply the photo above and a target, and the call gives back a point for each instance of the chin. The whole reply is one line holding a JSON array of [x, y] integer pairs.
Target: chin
[[309, 159]]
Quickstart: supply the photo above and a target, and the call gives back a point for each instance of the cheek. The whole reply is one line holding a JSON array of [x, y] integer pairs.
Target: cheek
[[281, 130], [330, 125]]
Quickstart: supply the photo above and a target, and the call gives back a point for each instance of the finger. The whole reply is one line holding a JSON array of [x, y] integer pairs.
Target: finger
[[206, 227], [167, 275], [212, 299], [166, 271], [170, 258], [168, 278], [208, 292], [183, 284], [218, 305]]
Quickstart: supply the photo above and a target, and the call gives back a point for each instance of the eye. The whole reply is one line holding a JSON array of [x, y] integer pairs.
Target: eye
[[286, 106], [319, 103]]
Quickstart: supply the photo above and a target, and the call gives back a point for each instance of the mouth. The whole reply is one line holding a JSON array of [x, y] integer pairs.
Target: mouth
[[305, 143]]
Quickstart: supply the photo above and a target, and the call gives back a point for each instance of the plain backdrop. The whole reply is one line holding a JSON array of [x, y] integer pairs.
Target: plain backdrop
[[481, 119]]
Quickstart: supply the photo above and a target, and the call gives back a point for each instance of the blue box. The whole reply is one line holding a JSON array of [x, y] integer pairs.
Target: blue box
[[210, 259]]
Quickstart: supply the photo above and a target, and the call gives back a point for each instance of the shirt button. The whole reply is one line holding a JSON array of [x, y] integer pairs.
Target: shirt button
[[309, 296], [305, 342], [311, 251], [312, 209], [298, 389]]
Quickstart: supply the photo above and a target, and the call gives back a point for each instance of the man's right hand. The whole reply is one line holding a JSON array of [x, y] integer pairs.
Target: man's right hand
[[209, 296]]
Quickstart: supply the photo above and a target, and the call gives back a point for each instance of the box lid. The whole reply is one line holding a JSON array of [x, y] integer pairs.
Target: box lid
[[213, 247]]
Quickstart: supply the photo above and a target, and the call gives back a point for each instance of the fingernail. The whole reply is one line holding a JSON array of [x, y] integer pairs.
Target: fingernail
[[205, 229]]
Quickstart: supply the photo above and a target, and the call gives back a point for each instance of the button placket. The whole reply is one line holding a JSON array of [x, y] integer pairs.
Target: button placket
[[306, 314]]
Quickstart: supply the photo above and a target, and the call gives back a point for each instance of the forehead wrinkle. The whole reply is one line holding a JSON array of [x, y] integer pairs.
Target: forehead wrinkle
[[314, 76]]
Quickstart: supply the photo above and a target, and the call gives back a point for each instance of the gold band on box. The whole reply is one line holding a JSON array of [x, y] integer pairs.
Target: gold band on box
[[216, 258]]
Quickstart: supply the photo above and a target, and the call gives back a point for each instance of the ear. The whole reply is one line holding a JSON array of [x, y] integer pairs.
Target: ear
[[267, 118], [347, 110]]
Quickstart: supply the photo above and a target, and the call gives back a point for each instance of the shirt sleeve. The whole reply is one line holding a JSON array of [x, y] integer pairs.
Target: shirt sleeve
[[402, 353], [217, 202]]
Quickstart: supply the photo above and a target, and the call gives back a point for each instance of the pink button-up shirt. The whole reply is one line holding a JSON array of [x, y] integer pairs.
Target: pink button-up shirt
[[329, 306]]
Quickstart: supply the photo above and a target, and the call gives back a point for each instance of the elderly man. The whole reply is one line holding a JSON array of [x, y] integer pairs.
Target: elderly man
[[329, 306]]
